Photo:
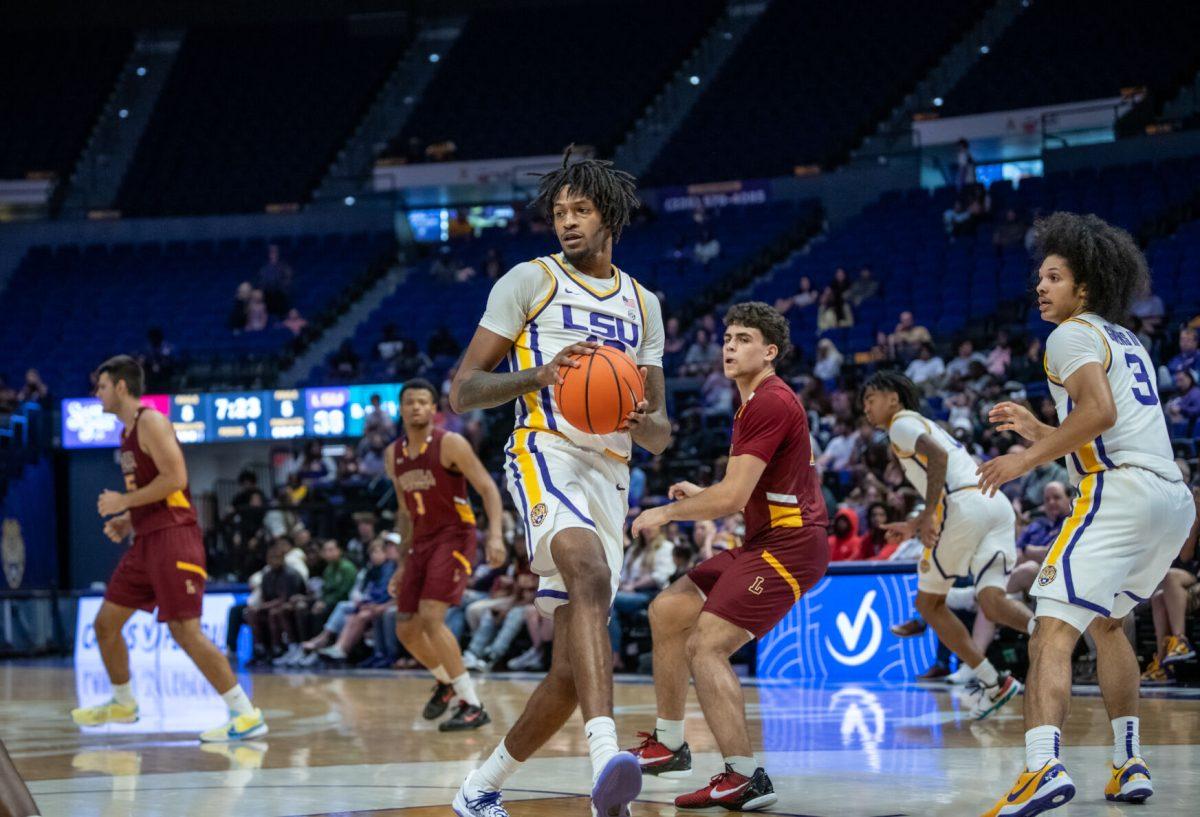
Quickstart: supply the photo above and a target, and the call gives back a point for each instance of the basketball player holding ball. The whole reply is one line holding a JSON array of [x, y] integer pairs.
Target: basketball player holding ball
[[569, 483]]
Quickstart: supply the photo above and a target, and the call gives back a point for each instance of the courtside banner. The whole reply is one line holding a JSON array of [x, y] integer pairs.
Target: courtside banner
[[149, 642]]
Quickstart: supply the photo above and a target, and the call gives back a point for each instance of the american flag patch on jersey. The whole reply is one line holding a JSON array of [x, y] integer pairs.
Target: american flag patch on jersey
[[629, 302]]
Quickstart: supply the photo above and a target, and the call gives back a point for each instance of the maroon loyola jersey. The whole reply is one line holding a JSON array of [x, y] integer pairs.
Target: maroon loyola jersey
[[139, 471], [436, 498], [773, 426]]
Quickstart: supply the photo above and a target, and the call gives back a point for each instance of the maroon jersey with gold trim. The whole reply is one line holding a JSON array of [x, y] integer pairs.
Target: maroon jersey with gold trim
[[139, 470], [773, 426], [436, 498]]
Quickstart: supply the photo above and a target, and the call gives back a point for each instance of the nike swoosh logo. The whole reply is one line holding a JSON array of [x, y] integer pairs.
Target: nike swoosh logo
[[852, 632], [620, 487], [1012, 798], [717, 793]]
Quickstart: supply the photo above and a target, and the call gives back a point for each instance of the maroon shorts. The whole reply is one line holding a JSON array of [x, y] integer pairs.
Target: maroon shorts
[[437, 569], [163, 569], [755, 586]]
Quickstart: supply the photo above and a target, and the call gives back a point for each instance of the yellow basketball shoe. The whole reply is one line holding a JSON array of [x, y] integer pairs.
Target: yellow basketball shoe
[[1179, 649], [1034, 792], [1130, 783], [109, 712], [239, 727]]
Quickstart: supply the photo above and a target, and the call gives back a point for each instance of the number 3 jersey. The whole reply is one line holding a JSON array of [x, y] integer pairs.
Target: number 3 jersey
[[544, 306], [1139, 437]]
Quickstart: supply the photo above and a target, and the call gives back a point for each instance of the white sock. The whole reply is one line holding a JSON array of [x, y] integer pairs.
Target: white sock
[[495, 770], [670, 733], [237, 701], [1032, 624], [602, 742], [464, 688], [439, 672], [1042, 743], [123, 694], [1126, 741], [744, 766], [986, 673]]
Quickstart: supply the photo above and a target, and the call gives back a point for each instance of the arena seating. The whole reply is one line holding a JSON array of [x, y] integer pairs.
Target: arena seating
[[68, 308], [529, 81], [657, 253], [218, 142], [807, 82], [951, 285], [1074, 50], [52, 89]]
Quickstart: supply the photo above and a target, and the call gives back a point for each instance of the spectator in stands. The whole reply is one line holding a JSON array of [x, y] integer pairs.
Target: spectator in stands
[[295, 322], [702, 355], [275, 282], [345, 362], [647, 569], [999, 356], [493, 264], [1189, 352], [1170, 603], [1010, 232], [956, 219], [364, 527], [348, 475], [34, 389], [445, 266], [410, 362], [541, 633], [1028, 366], [674, 344], [241, 302], [157, 359], [443, 344], [497, 621], [370, 455], [844, 541], [864, 287], [1030, 490], [277, 584], [964, 167], [805, 296], [390, 344], [876, 538], [839, 450], [374, 600], [906, 339], [1149, 309], [243, 518], [256, 312], [1185, 407], [717, 393], [707, 248], [1038, 536], [828, 366], [927, 370], [960, 366], [835, 312], [315, 468], [378, 421], [336, 581]]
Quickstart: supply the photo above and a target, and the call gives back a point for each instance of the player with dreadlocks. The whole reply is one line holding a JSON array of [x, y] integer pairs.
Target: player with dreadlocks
[[569, 486]]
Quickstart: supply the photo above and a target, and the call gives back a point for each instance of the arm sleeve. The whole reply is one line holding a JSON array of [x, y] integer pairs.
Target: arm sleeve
[[1073, 345], [513, 297], [650, 353], [760, 429], [905, 432]]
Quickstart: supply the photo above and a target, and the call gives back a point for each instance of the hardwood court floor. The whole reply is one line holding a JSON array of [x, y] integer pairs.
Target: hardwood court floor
[[355, 744]]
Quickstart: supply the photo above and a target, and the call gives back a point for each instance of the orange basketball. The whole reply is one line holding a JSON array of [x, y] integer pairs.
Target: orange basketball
[[596, 397]]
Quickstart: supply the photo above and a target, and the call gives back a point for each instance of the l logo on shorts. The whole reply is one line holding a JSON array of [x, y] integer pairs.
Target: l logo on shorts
[[1048, 574], [191, 588], [537, 514], [757, 587]]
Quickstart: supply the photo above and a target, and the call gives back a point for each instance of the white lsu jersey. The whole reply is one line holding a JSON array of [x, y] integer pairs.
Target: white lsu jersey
[[1139, 437], [906, 428], [544, 306]]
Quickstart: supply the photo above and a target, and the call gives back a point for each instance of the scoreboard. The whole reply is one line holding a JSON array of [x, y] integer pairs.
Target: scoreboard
[[282, 414]]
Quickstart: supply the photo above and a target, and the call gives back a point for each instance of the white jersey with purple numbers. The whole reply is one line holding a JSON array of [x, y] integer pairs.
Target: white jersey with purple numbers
[[544, 306], [1139, 437]]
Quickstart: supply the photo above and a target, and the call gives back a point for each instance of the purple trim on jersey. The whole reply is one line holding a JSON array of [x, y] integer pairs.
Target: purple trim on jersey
[[616, 275], [522, 412], [1135, 596], [1066, 557], [1103, 454], [553, 594], [547, 405], [550, 486], [524, 502]]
